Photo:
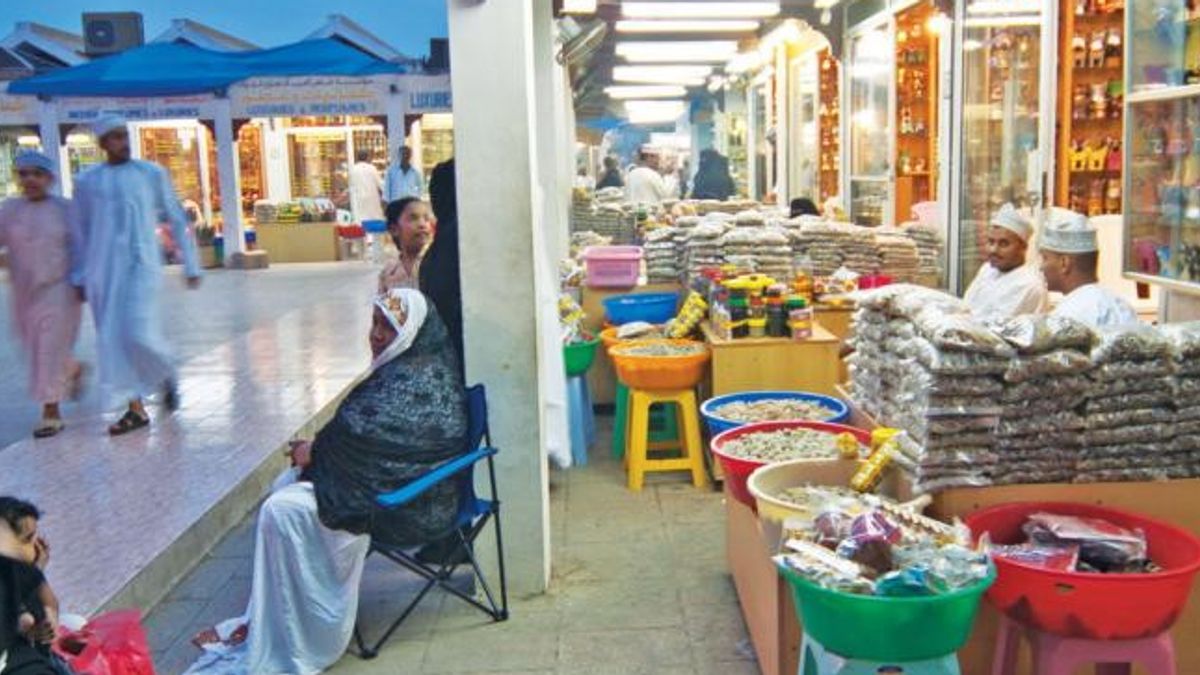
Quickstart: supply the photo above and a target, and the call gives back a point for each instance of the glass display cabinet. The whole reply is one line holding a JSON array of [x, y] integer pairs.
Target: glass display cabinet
[[871, 102], [1162, 139], [1006, 116]]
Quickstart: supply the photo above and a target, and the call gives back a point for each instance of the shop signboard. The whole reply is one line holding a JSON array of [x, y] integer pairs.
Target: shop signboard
[[18, 110], [310, 96], [84, 110], [429, 94]]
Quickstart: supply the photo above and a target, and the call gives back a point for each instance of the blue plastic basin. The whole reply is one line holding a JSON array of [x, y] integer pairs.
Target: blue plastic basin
[[718, 425], [656, 308]]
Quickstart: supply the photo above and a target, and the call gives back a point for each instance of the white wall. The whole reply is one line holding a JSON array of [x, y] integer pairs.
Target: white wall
[[502, 214]]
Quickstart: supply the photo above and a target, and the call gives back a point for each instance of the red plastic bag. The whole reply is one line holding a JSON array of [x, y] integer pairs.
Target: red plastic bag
[[110, 644]]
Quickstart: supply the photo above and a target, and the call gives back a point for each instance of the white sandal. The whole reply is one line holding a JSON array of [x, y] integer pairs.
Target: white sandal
[[48, 428]]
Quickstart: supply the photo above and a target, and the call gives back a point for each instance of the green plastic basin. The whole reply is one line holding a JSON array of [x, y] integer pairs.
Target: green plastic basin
[[578, 356], [887, 629]]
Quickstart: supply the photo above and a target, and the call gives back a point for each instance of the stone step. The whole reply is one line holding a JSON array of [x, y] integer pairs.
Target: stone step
[[127, 518]]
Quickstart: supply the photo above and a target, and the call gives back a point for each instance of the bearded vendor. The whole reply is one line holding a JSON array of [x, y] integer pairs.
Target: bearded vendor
[[1005, 286], [1070, 260]]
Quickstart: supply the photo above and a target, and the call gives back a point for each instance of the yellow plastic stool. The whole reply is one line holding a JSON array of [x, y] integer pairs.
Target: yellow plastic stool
[[638, 437]]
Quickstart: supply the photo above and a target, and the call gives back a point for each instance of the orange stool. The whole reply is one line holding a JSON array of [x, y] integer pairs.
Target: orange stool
[[638, 443]]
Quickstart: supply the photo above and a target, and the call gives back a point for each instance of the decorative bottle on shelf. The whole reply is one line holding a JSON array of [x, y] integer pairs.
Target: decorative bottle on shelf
[[1079, 51], [1112, 49], [1095, 200]]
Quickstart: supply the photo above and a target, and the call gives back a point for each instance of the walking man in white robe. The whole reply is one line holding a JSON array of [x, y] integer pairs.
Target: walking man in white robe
[[117, 208], [1006, 286]]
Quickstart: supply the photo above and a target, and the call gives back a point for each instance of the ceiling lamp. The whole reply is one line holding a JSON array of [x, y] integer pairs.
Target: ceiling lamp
[[579, 7], [699, 10], [688, 26], [646, 91], [710, 51], [687, 76], [653, 112]]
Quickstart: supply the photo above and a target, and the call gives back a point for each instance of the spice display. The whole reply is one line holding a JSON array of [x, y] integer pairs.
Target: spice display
[[772, 410], [1079, 544], [783, 445], [868, 545]]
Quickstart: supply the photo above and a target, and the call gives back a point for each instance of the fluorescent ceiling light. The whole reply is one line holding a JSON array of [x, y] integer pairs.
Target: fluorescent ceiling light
[[646, 91], [744, 62], [688, 26], [688, 76], [579, 6], [699, 10], [653, 112], [679, 52], [1002, 21], [1005, 7], [642, 104]]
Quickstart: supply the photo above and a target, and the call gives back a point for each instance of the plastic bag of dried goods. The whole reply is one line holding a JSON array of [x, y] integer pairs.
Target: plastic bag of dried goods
[[1136, 452], [1063, 439], [1040, 333], [1184, 339], [1066, 385], [1042, 406], [967, 439], [1187, 389], [1054, 423], [1122, 475], [1125, 370], [932, 485], [1059, 558], [1034, 477], [951, 385], [959, 456], [1187, 413], [1114, 463], [1188, 428], [1131, 417], [1109, 403], [948, 362], [1142, 433], [1102, 544], [1138, 342], [1130, 386], [918, 298], [960, 332], [1050, 364]]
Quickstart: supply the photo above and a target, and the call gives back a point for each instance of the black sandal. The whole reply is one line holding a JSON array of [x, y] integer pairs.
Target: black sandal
[[130, 421], [171, 396]]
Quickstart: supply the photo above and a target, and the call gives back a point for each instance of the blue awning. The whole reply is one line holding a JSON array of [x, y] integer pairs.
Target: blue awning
[[173, 69]]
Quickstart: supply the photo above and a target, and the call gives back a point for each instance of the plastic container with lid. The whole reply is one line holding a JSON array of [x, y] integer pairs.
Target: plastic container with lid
[[800, 318], [739, 317], [777, 317], [613, 266]]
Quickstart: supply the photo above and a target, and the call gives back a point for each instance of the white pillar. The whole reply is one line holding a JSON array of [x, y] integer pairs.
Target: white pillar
[[495, 125], [397, 109], [52, 145], [227, 175]]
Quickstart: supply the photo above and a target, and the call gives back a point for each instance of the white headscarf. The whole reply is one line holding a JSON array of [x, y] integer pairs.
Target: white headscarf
[[406, 309]]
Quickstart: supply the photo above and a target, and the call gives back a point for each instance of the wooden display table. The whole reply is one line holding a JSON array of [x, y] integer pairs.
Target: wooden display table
[[298, 242], [601, 377], [753, 364], [835, 319]]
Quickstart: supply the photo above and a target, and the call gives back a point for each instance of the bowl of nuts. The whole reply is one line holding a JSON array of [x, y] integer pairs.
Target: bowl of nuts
[[660, 364], [746, 448]]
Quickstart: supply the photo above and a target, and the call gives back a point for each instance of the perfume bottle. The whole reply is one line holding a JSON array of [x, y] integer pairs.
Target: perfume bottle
[[1095, 199], [1112, 49], [1112, 197], [1079, 51]]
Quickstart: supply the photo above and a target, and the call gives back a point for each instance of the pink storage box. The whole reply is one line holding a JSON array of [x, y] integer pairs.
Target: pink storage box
[[613, 266]]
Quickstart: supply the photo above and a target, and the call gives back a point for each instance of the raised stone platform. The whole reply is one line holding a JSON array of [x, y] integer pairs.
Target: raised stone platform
[[128, 517]]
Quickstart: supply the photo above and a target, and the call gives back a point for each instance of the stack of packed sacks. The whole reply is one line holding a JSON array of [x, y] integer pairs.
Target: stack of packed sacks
[[929, 247], [1040, 433], [704, 247], [898, 257], [822, 242], [1129, 412], [922, 364], [860, 251], [662, 256], [760, 249], [1185, 361], [704, 207]]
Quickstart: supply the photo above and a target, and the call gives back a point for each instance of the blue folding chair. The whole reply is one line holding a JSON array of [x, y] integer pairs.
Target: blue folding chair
[[473, 516]]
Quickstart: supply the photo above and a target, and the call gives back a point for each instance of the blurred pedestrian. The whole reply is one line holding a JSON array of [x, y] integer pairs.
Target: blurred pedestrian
[[440, 273], [712, 177], [610, 178], [645, 184], [403, 179], [35, 229], [118, 205], [366, 189]]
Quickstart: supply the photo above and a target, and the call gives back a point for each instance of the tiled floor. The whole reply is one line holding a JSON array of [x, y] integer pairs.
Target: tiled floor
[[640, 586], [262, 353]]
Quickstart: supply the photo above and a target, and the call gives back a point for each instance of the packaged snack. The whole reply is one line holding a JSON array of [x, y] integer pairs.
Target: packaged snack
[[1041, 333], [1050, 557], [1102, 544]]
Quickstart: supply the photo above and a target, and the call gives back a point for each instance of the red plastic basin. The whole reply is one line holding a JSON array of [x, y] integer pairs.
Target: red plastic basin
[[738, 470], [1088, 605]]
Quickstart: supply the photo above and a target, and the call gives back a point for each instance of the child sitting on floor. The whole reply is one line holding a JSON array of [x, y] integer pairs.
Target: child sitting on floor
[[28, 608]]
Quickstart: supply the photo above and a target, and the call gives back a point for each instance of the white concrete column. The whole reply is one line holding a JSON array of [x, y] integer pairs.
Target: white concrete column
[[227, 175], [397, 108], [496, 125], [52, 145]]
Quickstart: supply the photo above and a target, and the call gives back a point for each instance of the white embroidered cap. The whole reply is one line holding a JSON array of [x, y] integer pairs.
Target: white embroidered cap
[[1068, 232], [1010, 219]]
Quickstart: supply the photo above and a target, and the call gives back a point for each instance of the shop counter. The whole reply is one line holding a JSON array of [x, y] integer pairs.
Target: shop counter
[[298, 242], [836, 320], [754, 364], [602, 378]]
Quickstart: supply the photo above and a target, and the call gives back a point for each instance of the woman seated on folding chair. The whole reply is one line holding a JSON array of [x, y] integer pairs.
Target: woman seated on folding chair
[[314, 531]]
